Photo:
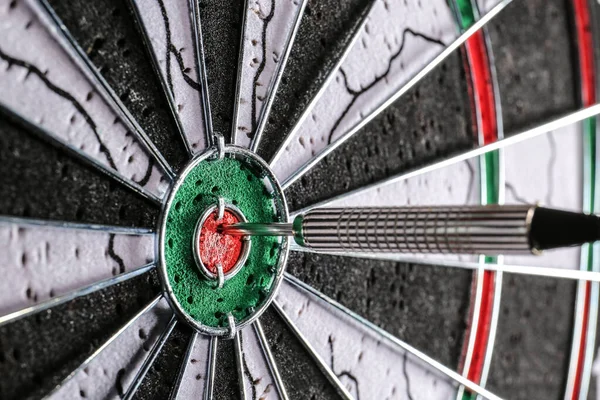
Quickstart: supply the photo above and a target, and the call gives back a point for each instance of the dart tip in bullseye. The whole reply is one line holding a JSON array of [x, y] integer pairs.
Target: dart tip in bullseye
[[256, 229], [231, 229]]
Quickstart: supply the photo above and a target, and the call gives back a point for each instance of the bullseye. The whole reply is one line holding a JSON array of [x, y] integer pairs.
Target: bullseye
[[214, 250], [217, 248]]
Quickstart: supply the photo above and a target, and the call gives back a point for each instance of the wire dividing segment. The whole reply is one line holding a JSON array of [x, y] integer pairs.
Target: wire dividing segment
[[232, 326]]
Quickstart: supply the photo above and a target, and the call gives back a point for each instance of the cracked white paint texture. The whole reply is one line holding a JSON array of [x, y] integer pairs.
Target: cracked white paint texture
[[458, 184], [279, 22], [547, 169], [41, 262], [98, 379], [28, 34], [368, 365], [193, 382], [256, 368], [186, 96], [383, 59]]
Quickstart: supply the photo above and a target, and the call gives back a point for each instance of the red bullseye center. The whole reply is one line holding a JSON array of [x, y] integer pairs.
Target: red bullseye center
[[217, 248]]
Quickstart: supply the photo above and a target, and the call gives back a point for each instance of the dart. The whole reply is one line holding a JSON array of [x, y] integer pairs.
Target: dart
[[520, 229]]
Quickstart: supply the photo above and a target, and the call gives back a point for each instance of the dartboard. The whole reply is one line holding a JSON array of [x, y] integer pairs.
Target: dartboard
[[129, 128]]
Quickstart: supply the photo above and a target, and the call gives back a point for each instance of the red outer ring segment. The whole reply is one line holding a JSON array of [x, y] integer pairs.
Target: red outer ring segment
[[588, 96], [485, 103]]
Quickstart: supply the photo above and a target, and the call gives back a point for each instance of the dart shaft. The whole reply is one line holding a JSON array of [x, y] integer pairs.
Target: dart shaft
[[491, 230], [254, 229]]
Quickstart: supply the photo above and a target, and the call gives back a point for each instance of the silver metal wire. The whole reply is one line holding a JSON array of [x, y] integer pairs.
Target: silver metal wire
[[102, 87], [239, 362], [212, 366], [329, 374], [201, 65], [256, 229], [84, 291], [110, 340], [141, 374], [356, 34], [456, 377], [184, 364], [551, 126], [405, 88], [274, 84], [548, 272], [262, 338], [231, 325]]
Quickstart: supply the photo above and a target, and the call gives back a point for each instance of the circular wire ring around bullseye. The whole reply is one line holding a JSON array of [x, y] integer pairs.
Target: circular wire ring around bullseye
[[246, 243]]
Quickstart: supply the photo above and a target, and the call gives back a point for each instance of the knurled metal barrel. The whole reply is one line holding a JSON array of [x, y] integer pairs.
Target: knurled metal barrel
[[460, 230]]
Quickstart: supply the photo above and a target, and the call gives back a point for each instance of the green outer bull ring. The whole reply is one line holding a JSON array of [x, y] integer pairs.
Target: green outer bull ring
[[245, 157]]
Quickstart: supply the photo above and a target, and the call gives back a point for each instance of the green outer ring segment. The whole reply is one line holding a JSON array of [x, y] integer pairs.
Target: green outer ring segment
[[590, 185], [490, 161], [465, 14], [238, 179]]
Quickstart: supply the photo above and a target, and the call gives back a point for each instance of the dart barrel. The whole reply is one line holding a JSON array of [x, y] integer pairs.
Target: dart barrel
[[460, 230]]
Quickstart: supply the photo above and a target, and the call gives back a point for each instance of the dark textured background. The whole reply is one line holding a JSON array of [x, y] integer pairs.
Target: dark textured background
[[426, 306]]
